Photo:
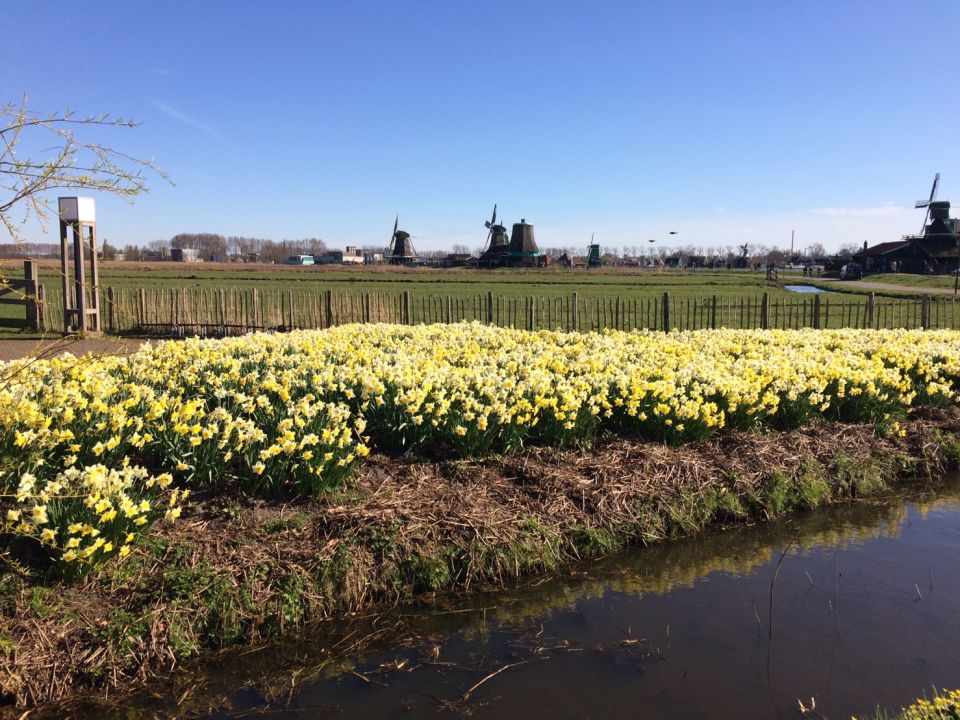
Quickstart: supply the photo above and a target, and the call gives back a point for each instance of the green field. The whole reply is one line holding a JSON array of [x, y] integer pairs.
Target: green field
[[547, 282], [172, 297]]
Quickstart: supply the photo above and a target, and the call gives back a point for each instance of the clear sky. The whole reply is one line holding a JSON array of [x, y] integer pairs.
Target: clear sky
[[726, 121]]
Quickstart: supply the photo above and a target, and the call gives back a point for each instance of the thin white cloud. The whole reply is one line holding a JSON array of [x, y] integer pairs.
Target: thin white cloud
[[887, 210], [188, 120]]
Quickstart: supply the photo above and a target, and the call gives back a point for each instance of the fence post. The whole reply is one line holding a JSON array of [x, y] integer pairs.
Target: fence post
[[816, 311], [490, 308], [449, 305], [924, 312], [665, 307], [328, 308], [31, 276], [41, 308], [713, 314], [111, 304], [405, 311], [765, 312], [575, 313]]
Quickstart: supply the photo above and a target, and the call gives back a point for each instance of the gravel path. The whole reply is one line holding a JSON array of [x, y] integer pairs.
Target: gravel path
[[13, 348]]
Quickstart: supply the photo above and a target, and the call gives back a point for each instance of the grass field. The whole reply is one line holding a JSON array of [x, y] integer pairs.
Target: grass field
[[547, 282], [184, 294]]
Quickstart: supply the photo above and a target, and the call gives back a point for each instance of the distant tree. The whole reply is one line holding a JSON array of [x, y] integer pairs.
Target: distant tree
[[132, 252], [847, 250], [460, 249]]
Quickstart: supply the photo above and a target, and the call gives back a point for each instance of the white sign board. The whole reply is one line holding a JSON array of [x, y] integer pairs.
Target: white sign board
[[77, 209]]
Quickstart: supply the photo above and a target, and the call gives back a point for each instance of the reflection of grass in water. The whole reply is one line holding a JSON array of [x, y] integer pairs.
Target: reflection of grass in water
[[334, 649]]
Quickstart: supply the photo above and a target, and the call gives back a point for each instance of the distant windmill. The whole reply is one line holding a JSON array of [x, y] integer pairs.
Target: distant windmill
[[744, 250], [401, 248], [593, 254], [926, 203], [496, 234]]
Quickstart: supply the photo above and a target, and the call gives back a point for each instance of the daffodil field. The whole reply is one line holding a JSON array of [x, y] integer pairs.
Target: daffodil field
[[94, 450]]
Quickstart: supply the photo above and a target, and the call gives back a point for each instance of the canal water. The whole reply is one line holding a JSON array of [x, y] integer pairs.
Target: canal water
[[804, 289], [852, 606]]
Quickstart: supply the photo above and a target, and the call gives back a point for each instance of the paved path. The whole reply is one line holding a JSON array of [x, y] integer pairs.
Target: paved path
[[14, 348], [888, 287]]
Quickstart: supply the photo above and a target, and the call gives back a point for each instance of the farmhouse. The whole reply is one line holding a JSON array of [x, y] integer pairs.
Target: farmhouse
[[934, 252], [350, 256]]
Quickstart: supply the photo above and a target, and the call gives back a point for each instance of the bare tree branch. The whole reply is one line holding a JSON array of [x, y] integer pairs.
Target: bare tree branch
[[69, 163]]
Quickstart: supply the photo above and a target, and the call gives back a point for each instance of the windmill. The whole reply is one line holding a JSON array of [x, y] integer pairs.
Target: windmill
[[496, 235], [401, 248], [495, 246], [593, 254], [927, 203]]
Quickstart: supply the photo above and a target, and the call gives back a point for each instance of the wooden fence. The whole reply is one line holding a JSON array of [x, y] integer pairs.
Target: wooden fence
[[234, 311], [27, 293]]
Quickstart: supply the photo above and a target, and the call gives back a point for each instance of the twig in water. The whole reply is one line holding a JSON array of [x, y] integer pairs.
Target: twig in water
[[469, 692]]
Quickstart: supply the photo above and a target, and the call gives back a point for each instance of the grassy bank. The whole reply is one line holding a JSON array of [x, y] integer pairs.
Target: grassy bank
[[239, 570]]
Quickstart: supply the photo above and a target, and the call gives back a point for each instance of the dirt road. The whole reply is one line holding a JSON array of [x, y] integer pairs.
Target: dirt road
[[14, 348]]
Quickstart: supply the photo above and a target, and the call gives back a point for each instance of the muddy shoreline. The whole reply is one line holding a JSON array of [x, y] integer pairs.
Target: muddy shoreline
[[237, 572]]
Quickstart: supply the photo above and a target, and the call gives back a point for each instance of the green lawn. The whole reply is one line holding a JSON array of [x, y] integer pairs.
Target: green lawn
[[547, 282], [629, 297]]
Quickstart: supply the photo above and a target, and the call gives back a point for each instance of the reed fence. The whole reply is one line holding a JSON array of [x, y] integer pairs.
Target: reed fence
[[234, 311]]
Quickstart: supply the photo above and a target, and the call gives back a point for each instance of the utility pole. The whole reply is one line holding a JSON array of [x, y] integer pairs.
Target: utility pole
[[791, 243]]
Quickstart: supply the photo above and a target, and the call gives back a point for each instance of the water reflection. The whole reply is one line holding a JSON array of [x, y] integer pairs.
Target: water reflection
[[865, 610]]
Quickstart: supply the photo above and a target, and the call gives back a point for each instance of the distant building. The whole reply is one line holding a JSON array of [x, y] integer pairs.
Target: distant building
[[185, 255], [350, 256], [372, 258], [937, 251], [457, 260], [299, 260]]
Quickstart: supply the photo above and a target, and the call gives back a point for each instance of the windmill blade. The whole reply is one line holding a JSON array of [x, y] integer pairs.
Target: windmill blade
[[920, 203], [493, 220]]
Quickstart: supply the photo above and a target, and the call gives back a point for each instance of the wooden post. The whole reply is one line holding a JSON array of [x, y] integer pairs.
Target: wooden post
[[405, 309], [765, 312], [666, 312], [94, 323], [490, 308], [30, 285], [42, 308], [575, 319], [870, 310], [111, 304], [80, 280], [925, 312], [713, 314], [328, 308], [65, 277], [816, 311], [290, 313]]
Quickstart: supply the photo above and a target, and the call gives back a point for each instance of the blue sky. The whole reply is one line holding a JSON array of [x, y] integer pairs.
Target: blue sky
[[727, 122]]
